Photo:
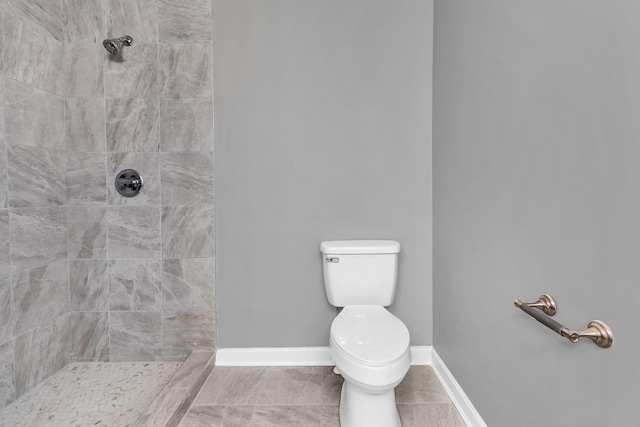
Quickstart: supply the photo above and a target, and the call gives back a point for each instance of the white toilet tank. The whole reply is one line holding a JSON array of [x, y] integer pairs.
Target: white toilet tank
[[360, 272]]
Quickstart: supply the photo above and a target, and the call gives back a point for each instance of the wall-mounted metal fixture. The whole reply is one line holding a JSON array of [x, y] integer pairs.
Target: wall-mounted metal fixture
[[129, 182], [115, 45], [545, 303], [597, 331]]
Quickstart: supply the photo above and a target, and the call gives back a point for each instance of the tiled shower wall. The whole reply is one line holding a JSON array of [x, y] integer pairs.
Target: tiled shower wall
[[86, 274]]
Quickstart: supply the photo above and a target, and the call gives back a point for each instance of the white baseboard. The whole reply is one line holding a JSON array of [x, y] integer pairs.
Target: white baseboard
[[296, 356], [466, 409], [421, 354], [319, 356]]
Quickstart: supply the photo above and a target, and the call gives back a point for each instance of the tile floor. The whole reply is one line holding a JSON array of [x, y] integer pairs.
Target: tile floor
[[307, 397], [158, 394]]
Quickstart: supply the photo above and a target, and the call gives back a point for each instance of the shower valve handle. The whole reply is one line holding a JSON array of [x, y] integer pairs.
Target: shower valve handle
[[129, 183]]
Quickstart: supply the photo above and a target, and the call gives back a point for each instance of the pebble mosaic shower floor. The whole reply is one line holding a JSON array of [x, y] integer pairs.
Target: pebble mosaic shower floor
[[90, 394]]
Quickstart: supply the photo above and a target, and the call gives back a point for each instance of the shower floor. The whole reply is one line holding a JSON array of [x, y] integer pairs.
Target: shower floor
[[91, 394]]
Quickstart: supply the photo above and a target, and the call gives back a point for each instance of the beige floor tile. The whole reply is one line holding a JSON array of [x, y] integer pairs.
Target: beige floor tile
[[331, 386], [218, 416], [290, 386], [231, 386], [421, 385], [330, 416], [429, 414], [287, 416]]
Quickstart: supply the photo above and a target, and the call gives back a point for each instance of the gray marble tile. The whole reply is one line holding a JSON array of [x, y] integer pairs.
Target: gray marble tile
[[188, 330], [4, 199], [7, 374], [218, 416], [186, 70], [180, 21], [134, 232], [38, 236], [291, 386], [132, 125], [33, 117], [90, 336], [430, 414], [148, 164], [83, 20], [41, 352], [135, 336], [86, 178], [85, 124], [188, 284], [331, 386], [134, 284], [36, 176], [87, 228], [187, 178], [137, 18], [231, 386], [175, 355], [289, 416], [187, 231], [134, 72], [46, 15], [421, 385], [6, 313], [40, 295], [83, 70], [5, 243], [33, 49], [89, 284], [2, 88], [186, 124]]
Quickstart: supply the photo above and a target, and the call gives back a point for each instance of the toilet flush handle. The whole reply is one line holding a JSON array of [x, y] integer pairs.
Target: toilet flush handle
[[332, 259]]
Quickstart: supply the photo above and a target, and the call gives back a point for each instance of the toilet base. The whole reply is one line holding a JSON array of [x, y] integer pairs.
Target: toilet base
[[359, 408]]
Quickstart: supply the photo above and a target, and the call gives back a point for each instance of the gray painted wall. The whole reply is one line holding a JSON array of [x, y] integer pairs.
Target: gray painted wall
[[537, 189], [323, 132]]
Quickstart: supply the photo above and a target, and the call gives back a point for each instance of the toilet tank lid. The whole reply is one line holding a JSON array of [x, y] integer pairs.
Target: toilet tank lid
[[360, 247]]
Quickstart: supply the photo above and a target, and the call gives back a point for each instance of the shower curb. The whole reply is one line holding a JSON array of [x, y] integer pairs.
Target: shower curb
[[170, 405]]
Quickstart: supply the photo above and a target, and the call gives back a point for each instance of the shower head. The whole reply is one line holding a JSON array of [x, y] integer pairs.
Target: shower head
[[115, 45]]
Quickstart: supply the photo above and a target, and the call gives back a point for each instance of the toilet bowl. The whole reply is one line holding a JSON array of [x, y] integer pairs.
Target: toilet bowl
[[370, 347]]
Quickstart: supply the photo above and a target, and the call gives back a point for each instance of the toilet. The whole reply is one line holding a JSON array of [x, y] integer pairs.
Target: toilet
[[368, 344]]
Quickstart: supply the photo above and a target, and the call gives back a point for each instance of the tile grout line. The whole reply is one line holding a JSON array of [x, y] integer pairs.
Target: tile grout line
[[103, 14]]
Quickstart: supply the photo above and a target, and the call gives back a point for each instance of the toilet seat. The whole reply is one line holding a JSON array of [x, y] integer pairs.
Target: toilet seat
[[370, 346], [370, 334]]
